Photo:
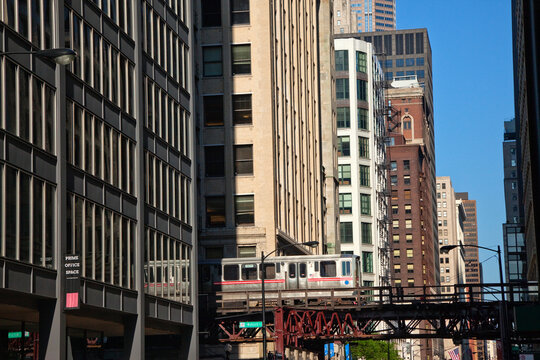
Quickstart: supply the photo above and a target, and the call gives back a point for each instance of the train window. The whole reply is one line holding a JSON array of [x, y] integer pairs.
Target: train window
[[270, 271], [316, 266], [292, 271], [328, 269], [303, 270], [278, 268], [230, 272], [346, 268], [249, 272]]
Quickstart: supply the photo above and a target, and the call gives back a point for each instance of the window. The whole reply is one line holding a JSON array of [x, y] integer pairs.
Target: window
[[399, 44], [419, 43], [292, 271], [407, 180], [410, 282], [397, 282], [345, 203], [270, 271], [242, 109], [230, 272], [400, 62], [410, 268], [247, 251], [387, 64], [362, 119], [241, 59], [213, 110], [366, 233], [406, 124], [214, 163], [407, 194], [389, 75], [249, 271], [361, 90], [394, 195], [409, 44], [212, 65], [395, 224], [361, 62], [39, 103], [444, 186], [393, 180], [408, 238], [395, 238], [367, 262], [393, 165], [28, 216], [365, 204], [409, 62], [211, 13], [420, 61], [342, 89], [344, 146], [239, 12], [396, 253], [397, 268], [215, 211], [213, 252], [342, 60], [408, 209], [345, 268], [346, 232], [328, 269], [343, 117], [395, 209], [364, 175], [244, 210], [344, 173], [243, 159], [410, 253], [363, 147], [408, 224]]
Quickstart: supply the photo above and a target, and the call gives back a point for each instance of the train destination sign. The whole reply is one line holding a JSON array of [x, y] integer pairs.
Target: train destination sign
[[250, 324]]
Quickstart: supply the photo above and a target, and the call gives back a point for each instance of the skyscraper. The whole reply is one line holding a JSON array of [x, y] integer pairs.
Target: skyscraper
[[364, 16], [515, 251], [415, 259], [96, 169], [472, 265], [362, 158], [260, 129], [526, 31]]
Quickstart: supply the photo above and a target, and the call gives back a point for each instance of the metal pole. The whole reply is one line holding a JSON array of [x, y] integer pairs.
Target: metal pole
[[503, 322], [263, 277]]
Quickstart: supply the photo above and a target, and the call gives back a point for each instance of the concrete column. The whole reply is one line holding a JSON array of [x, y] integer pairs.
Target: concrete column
[[52, 331]]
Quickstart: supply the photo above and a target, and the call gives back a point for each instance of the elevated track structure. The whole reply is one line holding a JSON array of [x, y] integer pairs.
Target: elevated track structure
[[308, 318]]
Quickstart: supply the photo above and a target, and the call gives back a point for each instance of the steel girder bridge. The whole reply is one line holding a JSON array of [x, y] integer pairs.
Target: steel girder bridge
[[307, 318]]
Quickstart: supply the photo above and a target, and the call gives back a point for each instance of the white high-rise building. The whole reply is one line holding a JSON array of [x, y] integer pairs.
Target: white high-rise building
[[362, 158]]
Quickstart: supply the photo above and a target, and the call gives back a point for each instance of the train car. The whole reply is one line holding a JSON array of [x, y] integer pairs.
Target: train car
[[282, 273]]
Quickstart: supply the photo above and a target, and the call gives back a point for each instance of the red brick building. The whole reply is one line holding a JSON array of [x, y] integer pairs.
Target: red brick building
[[413, 229]]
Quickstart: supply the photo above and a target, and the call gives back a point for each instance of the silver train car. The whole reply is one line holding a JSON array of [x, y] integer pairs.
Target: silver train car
[[282, 273]]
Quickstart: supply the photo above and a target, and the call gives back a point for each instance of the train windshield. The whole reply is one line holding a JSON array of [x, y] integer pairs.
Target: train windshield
[[328, 269], [249, 272]]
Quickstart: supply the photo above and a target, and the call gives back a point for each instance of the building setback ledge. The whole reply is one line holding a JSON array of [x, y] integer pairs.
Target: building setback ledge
[[167, 310], [27, 278]]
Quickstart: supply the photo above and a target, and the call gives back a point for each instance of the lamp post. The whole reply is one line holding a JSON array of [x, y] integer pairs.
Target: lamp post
[[503, 325], [263, 277], [61, 56]]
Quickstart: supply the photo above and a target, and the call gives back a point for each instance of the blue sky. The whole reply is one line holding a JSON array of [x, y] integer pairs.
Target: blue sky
[[471, 43]]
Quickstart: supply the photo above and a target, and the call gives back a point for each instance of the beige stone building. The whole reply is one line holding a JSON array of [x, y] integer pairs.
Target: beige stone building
[[353, 16], [266, 130], [260, 175], [450, 218]]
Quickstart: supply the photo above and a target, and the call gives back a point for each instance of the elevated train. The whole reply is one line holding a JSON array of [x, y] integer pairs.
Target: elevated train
[[282, 273]]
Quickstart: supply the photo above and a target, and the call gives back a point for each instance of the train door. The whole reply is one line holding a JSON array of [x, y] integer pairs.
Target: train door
[[292, 276], [302, 275]]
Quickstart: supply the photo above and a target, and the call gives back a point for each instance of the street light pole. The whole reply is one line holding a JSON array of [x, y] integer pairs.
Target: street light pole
[[503, 325], [263, 295]]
